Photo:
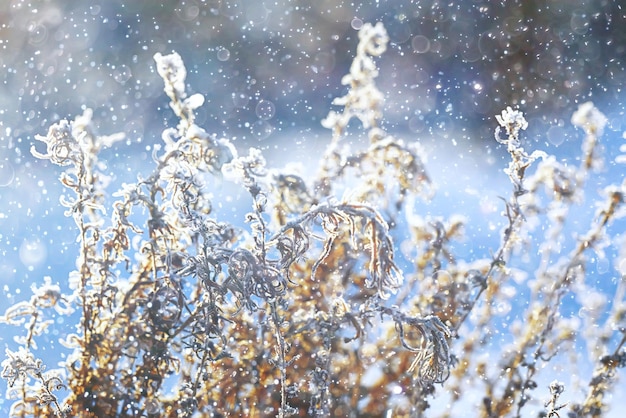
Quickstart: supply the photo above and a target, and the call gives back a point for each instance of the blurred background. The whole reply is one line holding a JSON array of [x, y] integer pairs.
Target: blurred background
[[268, 65], [269, 68], [269, 71]]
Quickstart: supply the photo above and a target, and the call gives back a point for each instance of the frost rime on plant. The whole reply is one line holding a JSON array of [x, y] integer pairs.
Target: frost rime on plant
[[203, 301], [304, 310]]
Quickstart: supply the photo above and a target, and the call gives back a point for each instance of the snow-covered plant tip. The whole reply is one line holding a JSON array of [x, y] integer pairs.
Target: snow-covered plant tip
[[305, 311]]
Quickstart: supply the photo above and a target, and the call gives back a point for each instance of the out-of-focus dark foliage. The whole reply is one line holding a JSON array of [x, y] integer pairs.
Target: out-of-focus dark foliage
[[264, 65]]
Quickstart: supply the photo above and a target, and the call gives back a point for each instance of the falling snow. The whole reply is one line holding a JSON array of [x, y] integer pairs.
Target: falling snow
[[276, 101]]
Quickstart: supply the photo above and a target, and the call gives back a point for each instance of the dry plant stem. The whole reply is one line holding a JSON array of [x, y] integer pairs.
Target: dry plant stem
[[44, 383], [554, 296], [604, 375], [556, 389], [86, 181], [219, 307], [498, 262], [600, 384], [538, 331], [282, 362], [512, 122], [550, 308]]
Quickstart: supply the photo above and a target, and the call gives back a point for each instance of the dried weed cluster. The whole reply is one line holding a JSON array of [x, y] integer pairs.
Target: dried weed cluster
[[306, 313]]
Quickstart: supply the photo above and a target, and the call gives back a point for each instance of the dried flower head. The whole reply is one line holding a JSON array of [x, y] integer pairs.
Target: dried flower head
[[512, 121], [589, 118], [298, 305], [20, 364], [62, 146], [172, 69]]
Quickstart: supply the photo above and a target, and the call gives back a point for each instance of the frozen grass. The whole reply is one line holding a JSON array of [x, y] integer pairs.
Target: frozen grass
[[305, 311]]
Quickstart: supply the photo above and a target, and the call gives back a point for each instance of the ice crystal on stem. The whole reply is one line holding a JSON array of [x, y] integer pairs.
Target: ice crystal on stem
[[556, 389], [301, 305], [363, 100], [172, 70], [512, 121], [589, 118], [20, 364], [592, 121]]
